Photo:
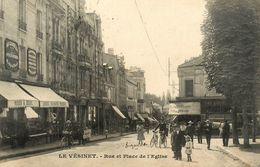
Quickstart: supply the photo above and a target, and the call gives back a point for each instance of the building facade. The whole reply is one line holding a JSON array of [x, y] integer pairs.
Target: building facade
[[195, 100], [136, 74], [24, 64], [115, 88]]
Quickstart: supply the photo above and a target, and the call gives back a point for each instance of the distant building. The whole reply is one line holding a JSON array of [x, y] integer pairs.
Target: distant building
[[137, 74], [195, 100], [115, 91]]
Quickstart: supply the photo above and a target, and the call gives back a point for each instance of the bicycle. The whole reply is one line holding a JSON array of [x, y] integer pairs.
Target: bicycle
[[67, 139], [163, 139], [154, 140]]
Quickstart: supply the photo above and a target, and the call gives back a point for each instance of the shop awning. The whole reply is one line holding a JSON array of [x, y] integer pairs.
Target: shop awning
[[46, 96], [155, 119], [140, 117], [12, 96], [150, 119], [132, 116], [30, 113], [118, 112]]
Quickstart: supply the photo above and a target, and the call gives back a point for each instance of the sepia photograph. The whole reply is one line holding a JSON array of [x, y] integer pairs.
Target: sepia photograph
[[129, 83]]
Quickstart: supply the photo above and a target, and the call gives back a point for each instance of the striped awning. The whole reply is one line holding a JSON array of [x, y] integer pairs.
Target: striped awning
[[12, 96], [140, 117], [118, 112]]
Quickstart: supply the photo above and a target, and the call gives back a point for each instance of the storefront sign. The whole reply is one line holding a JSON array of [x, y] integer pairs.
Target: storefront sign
[[31, 62], [184, 108], [21, 103], [53, 104], [11, 55]]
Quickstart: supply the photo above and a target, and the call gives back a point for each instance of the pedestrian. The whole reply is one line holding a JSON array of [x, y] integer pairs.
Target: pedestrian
[[225, 133], [221, 129], [179, 142], [190, 130], [173, 138], [140, 134], [208, 132], [81, 134], [188, 147], [199, 130]]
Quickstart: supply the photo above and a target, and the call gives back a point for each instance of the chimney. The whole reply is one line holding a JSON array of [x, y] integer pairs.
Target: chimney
[[110, 51]]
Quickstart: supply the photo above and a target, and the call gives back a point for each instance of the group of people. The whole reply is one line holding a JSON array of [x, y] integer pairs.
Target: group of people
[[182, 135]]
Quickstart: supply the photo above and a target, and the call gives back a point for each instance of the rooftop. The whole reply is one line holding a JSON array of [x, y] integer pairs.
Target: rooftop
[[195, 61]]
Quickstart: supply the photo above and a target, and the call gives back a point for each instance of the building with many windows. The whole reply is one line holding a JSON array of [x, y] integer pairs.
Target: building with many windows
[[26, 96]]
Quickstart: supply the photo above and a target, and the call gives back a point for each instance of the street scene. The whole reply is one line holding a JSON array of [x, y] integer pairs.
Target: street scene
[[132, 82], [106, 153]]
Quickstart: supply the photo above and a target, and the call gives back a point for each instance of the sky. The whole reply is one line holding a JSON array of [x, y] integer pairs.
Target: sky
[[173, 27]]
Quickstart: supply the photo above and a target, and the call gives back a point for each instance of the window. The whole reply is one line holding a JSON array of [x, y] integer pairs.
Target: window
[[39, 33], [189, 88], [22, 15], [2, 9]]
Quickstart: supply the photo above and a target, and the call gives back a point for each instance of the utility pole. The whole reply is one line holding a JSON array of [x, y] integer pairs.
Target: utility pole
[[172, 85]]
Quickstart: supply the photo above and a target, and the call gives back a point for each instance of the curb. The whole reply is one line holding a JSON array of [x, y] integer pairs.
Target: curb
[[56, 147], [231, 155]]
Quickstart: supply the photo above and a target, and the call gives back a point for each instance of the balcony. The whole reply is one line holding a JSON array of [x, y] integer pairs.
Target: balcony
[[84, 61], [2, 14], [140, 101], [39, 34], [56, 45], [22, 25]]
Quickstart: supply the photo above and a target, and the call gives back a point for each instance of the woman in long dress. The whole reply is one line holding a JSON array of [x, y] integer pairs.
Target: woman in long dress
[[140, 134]]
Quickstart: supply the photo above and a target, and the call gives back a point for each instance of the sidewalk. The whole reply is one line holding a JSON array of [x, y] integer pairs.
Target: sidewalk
[[8, 152], [249, 156]]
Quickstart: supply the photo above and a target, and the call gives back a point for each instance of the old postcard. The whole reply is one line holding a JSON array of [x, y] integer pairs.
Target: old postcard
[[129, 83]]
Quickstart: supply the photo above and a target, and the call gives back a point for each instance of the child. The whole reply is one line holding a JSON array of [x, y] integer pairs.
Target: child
[[188, 147]]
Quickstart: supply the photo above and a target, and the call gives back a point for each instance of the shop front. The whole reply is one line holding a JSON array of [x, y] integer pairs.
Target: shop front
[[185, 111], [52, 110], [14, 104]]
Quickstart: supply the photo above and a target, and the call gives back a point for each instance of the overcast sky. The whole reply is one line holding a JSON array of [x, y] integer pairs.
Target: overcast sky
[[173, 27]]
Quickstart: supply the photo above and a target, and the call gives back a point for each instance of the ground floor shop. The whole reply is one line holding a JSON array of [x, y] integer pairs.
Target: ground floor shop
[[196, 109], [28, 112]]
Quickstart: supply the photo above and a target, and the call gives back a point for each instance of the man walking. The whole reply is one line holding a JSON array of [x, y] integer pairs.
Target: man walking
[[179, 142], [208, 132], [199, 129], [225, 133]]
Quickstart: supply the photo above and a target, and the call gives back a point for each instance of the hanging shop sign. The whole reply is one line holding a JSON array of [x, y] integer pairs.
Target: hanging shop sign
[[31, 62], [11, 55]]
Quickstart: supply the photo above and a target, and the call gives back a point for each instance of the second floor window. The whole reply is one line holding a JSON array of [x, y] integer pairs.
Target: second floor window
[[2, 9], [189, 88], [22, 10], [39, 20], [22, 14]]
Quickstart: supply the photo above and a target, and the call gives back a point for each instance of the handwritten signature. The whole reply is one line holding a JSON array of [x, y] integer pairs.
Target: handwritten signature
[[133, 146]]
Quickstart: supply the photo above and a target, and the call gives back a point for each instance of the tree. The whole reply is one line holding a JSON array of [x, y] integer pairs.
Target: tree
[[230, 32]]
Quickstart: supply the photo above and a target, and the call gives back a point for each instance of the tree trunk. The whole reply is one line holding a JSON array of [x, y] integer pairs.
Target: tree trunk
[[234, 126], [245, 128]]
